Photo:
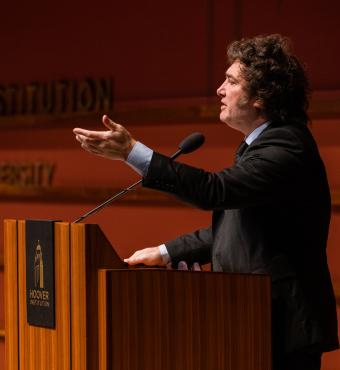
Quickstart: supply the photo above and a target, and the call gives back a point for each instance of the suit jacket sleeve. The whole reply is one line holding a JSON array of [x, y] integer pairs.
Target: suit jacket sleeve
[[193, 247], [269, 172]]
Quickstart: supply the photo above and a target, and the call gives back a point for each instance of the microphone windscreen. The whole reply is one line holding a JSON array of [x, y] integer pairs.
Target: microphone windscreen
[[191, 142]]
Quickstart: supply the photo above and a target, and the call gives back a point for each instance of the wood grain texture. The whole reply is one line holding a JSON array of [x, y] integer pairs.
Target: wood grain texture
[[99, 254], [62, 341], [102, 320], [11, 294], [188, 320], [78, 298], [90, 251], [80, 251]]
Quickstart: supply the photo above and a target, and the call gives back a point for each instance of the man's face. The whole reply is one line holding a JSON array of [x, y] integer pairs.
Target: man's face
[[237, 109]]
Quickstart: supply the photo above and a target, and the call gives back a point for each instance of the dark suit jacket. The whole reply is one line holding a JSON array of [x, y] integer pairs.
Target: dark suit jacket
[[271, 214]]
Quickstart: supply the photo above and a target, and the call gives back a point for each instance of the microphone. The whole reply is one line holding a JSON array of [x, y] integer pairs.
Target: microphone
[[188, 145]]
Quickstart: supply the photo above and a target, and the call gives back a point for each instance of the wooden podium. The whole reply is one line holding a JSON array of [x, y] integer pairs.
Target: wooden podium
[[110, 317]]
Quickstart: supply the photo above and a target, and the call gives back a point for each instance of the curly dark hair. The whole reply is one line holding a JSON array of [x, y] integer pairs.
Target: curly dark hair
[[274, 76]]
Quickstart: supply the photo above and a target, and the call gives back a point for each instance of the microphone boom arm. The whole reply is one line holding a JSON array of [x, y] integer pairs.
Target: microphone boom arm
[[107, 202]]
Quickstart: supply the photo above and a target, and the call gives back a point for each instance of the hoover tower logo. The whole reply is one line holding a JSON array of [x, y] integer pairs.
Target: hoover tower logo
[[39, 296], [38, 268], [40, 273]]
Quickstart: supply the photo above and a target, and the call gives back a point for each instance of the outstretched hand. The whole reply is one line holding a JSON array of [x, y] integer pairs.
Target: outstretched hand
[[114, 143], [148, 256]]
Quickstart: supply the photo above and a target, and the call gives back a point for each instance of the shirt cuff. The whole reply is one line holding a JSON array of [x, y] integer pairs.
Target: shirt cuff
[[164, 254], [139, 158]]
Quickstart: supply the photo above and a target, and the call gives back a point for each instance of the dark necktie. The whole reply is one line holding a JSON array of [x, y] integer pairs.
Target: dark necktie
[[243, 146]]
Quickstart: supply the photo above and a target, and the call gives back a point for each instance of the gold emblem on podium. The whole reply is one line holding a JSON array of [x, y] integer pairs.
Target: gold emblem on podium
[[38, 267], [40, 273]]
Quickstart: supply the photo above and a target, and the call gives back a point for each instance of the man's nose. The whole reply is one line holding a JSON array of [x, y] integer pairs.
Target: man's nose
[[220, 91]]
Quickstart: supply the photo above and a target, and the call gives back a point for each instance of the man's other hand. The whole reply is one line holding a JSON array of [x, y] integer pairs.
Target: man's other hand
[[148, 256]]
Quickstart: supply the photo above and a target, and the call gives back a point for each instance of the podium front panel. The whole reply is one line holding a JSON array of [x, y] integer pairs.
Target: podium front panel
[[182, 320]]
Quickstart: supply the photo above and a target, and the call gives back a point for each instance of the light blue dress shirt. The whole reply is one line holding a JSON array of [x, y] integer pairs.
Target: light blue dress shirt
[[139, 158]]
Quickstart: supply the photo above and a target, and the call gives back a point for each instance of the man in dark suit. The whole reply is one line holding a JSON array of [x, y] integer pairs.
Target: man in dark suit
[[271, 209]]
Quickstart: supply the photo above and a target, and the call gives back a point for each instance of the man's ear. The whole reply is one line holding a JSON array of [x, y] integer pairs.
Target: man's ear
[[258, 104]]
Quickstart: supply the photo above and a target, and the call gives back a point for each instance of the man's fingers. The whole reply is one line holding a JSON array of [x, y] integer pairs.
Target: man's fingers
[[136, 258], [133, 261], [147, 256], [90, 145], [91, 149], [97, 135], [87, 140]]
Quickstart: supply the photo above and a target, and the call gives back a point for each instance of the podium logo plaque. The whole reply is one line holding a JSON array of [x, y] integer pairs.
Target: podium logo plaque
[[40, 273]]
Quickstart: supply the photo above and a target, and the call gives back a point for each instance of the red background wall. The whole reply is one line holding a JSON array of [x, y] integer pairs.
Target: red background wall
[[157, 52]]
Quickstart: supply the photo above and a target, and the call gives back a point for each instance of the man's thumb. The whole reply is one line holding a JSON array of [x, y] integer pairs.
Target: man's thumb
[[108, 123]]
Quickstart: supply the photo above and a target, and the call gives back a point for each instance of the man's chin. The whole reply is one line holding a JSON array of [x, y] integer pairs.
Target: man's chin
[[230, 123], [224, 118]]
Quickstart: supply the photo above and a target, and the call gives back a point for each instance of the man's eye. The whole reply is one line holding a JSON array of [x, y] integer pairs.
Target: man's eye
[[230, 81]]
